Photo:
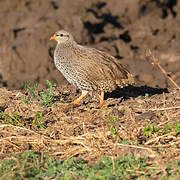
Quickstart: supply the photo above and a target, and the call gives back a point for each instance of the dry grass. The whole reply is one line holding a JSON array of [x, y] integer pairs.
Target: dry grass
[[90, 133]]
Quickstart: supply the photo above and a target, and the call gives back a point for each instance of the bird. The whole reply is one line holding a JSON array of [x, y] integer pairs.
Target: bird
[[87, 68]]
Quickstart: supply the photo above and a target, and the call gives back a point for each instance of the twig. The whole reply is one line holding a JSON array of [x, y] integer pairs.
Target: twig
[[155, 61], [158, 109], [21, 128], [137, 147], [157, 138], [113, 164], [164, 105]]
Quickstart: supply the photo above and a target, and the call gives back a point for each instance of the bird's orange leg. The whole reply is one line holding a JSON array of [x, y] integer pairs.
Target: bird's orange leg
[[83, 94], [101, 99]]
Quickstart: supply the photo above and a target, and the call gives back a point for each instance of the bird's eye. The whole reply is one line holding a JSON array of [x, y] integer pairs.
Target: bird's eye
[[61, 35]]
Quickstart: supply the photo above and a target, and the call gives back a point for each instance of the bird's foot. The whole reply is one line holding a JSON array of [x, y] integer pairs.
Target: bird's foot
[[101, 105], [101, 100], [76, 102]]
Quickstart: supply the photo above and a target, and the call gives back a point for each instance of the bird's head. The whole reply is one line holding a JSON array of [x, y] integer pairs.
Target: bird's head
[[62, 37]]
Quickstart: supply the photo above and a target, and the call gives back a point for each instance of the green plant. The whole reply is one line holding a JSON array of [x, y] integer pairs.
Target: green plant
[[177, 128], [32, 165], [31, 89], [28, 165], [45, 97], [38, 120], [13, 119], [148, 130], [111, 121], [169, 127]]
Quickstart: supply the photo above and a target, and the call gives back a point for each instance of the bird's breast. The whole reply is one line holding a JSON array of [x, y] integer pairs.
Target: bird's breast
[[60, 59]]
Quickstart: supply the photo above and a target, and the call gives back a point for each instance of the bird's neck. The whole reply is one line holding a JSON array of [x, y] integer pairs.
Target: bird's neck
[[67, 45], [64, 50]]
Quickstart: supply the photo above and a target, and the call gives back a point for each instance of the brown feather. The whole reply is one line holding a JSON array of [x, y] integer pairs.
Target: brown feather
[[104, 70], [88, 68]]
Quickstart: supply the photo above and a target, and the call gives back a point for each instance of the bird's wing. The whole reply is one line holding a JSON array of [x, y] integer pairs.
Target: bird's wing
[[99, 66], [122, 75]]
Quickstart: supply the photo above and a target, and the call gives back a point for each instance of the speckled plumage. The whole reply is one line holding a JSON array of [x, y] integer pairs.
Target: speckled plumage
[[88, 68]]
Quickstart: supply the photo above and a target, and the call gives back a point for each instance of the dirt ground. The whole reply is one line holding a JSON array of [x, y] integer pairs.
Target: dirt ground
[[143, 119], [145, 126], [125, 29]]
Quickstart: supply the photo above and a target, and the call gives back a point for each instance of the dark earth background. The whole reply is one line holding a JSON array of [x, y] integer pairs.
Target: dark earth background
[[123, 28]]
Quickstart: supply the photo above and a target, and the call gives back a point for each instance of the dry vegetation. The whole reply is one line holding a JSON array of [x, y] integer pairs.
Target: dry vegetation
[[144, 123]]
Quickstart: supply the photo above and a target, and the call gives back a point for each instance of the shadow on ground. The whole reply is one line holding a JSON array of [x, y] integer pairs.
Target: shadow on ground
[[135, 91]]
